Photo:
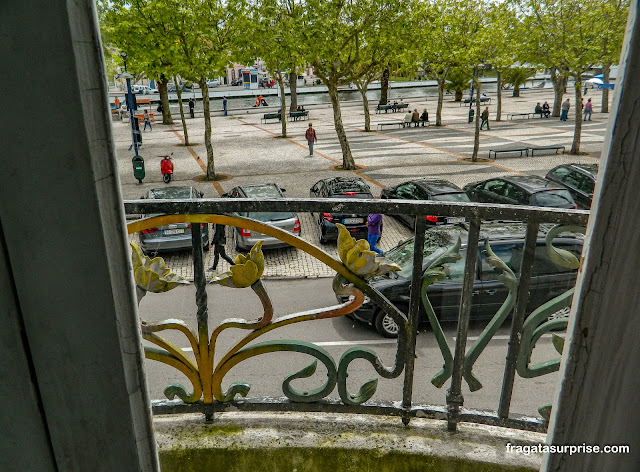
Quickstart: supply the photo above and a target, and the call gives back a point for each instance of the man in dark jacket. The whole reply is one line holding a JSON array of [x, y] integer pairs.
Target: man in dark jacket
[[485, 118], [192, 106], [218, 241]]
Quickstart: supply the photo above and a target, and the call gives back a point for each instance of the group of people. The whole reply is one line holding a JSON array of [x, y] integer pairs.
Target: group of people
[[415, 118], [543, 110], [587, 109]]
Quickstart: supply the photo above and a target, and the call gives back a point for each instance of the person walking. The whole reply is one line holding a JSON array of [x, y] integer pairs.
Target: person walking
[[192, 106], [219, 240], [147, 121], [485, 118], [588, 108], [374, 222], [224, 105], [565, 110], [310, 134]]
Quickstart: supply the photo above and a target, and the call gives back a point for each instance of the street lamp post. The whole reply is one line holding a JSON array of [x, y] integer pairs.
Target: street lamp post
[[130, 104]]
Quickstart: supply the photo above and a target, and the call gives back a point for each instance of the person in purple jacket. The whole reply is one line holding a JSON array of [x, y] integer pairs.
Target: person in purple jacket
[[373, 231]]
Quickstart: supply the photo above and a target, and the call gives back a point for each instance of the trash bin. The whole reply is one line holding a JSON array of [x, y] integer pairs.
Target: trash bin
[[138, 168], [471, 113]]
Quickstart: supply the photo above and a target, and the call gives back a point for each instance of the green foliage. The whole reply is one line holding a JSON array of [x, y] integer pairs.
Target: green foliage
[[458, 80]]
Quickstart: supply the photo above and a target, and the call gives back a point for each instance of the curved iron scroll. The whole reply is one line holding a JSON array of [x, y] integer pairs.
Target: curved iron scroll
[[206, 379]]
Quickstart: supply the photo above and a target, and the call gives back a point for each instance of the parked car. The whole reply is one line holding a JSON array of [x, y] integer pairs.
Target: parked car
[[243, 238], [174, 236], [237, 81], [580, 179], [213, 83], [183, 87], [506, 239], [521, 190], [436, 190], [340, 187]]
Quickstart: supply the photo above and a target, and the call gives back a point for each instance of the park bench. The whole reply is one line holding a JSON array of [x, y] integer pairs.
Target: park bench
[[270, 116], [386, 108], [496, 151], [399, 124], [298, 115], [466, 101], [555, 149], [400, 106], [524, 115]]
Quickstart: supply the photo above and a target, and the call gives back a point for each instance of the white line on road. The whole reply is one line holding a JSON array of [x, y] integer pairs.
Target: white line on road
[[503, 337]]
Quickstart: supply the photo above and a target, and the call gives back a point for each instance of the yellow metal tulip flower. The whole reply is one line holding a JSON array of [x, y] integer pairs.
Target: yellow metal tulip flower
[[151, 275], [358, 258], [247, 270]]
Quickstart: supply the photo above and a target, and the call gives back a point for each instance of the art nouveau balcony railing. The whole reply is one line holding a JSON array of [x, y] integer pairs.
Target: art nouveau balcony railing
[[357, 264]]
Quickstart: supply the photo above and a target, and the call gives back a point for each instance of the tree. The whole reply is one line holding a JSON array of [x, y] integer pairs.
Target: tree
[[516, 76], [458, 82], [204, 32], [277, 23], [138, 27], [330, 30]]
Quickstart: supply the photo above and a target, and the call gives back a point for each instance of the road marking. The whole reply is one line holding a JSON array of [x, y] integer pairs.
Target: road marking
[[504, 337]]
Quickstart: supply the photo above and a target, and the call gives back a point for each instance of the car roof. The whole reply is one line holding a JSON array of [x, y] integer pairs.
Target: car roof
[[531, 183], [587, 168], [347, 184], [437, 186], [261, 191], [494, 231], [171, 192]]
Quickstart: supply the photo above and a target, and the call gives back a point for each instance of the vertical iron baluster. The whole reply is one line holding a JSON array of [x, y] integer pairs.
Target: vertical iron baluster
[[202, 315], [454, 394], [518, 319], [414, 316]]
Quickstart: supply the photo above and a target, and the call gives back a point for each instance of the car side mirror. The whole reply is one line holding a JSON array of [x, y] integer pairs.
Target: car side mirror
[[225, 195], [283, 189]]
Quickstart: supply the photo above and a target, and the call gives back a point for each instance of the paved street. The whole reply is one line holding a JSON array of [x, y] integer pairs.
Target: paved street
[[250, 152]]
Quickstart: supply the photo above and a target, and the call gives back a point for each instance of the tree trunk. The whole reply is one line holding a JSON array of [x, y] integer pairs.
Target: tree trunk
[[365, 105], [211, 168], [575, 146], [516, 91], [606, 70], [384, 87], [347, 159], [164, 100], [441, 82], [184, 122], [558, 92], [499, 97], [476, 136], [293, 82], [283, 103], [458, 95]]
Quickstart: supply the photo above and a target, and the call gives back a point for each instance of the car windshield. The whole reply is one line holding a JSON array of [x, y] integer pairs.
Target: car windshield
[[170, 192], [269, 216], [553, 198], [436, 243], [451, 197]]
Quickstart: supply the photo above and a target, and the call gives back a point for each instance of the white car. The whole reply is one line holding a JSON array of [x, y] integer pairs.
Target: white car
[[213, 83]]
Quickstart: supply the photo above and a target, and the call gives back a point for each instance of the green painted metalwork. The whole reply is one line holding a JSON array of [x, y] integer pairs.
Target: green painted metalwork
[[535, 325], [358, 263], [508, 278], [434, 273]]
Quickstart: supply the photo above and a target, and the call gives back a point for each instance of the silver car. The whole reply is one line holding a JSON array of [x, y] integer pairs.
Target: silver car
[[243, 238], [176, 236]]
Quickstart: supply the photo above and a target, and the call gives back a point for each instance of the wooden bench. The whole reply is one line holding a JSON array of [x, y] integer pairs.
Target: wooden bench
[[298, 115], [270, 116], [525, 115], [496, 151], [400, 106], [555, 149]]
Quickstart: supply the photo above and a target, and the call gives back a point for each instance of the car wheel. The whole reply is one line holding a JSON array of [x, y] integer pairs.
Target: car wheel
[[386, 326]]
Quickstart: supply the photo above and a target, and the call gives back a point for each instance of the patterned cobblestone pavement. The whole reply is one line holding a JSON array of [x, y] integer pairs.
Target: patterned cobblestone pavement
[[251, 152]]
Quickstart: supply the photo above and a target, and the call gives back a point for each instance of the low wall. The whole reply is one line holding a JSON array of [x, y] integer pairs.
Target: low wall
[[317, 442]]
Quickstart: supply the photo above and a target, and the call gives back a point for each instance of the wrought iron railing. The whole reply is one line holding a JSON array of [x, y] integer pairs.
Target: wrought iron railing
[[356, 264]]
